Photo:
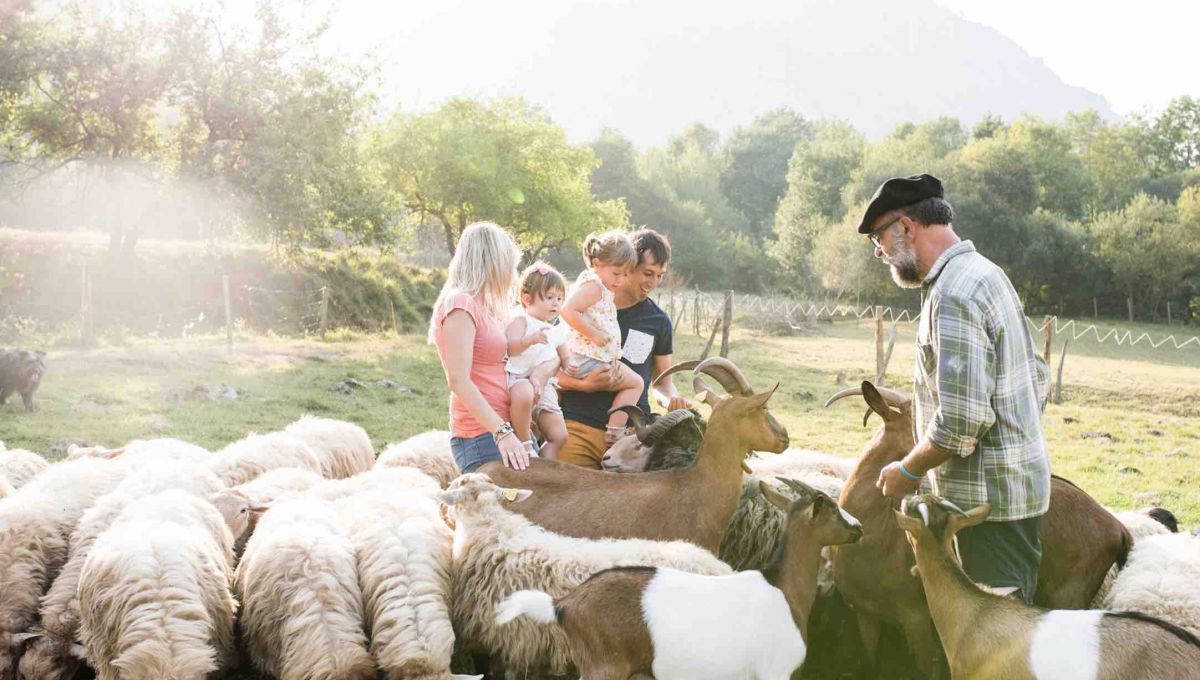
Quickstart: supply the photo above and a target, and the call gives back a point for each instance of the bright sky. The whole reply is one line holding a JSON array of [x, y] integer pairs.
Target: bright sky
[[1139, 55]]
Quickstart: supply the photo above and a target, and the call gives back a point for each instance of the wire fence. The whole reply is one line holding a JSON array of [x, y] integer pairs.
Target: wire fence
[[781, 312]]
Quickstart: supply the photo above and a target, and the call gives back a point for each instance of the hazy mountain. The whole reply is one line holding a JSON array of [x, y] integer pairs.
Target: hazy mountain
[[650, 67]]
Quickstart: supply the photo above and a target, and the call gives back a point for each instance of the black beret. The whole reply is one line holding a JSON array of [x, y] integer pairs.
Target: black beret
[[898, 192]]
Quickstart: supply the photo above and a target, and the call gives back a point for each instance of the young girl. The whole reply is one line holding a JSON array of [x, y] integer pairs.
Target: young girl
[[533, 357], [592, 316]]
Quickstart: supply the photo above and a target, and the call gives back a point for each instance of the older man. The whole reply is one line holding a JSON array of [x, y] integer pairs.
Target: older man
[[646, 346], [980, 384]]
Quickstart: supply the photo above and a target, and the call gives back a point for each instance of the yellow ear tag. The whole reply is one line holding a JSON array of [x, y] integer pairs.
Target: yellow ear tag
[[510, 495]]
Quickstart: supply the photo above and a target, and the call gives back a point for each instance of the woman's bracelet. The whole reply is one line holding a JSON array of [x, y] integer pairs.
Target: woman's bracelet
[[904, 471], [503, 431]]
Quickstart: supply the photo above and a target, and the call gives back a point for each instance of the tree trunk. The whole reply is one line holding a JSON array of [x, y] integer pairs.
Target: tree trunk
[[1129, 303]]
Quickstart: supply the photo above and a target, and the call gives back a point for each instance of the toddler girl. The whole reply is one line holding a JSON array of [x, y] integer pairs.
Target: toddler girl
[[533, 358], [589, 311]]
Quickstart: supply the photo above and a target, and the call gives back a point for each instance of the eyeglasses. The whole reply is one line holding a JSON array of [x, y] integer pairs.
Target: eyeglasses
[[877, 235]]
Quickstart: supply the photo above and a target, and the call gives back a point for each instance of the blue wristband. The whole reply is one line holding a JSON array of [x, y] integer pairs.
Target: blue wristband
[[904, 471]]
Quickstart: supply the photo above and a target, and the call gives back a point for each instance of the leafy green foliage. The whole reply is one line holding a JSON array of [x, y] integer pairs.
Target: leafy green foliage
[[501, 161]]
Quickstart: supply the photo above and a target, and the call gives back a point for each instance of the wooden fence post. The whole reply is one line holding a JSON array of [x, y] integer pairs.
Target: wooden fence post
[[696, 313], [1062, 359], [1168, 312], [1095, 309], [392, 308], [1048, 333], [727, 321], [85, 306], [324, 310], [711, 337], [878, 342], [1129, 303], [228, 313]]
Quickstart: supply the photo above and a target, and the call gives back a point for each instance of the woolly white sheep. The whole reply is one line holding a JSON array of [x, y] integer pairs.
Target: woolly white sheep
[[256, 454], [498, 552], [35, 528], [141, 451], [18, 466], [154, 592], [51, 654], [343, 448], [429, 452], [302, 608], [402, 548], [1160, 579], [803, 463]]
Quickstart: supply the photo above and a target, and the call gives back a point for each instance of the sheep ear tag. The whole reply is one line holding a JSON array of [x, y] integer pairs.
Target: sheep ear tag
[[515, 495]]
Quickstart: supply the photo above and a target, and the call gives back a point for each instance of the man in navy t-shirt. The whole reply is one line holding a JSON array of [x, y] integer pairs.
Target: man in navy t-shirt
[[646, 346]]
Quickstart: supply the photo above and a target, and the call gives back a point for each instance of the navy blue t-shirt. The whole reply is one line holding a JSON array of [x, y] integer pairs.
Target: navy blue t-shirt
[[652, 336]]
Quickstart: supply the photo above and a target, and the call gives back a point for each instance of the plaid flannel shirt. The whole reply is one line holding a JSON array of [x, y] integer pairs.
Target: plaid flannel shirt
[[980, 387]]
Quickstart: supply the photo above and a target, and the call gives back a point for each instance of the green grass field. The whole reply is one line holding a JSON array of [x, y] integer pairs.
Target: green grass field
[[1128, 430]]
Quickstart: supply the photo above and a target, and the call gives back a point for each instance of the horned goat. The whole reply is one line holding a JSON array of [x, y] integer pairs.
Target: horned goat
[[988, 637], [692, 504], [1080, 541], [498, 552]]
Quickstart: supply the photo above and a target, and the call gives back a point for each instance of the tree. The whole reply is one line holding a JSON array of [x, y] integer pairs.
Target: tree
[[909, 150], [697, 254], [502, 161], [754, 176], [820, 168], [265, 121], [93, 88], [1113, 155], [1176, 135], [1145, 246]]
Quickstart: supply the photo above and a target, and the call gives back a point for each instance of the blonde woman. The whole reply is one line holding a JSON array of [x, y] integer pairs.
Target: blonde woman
[[468, 328]]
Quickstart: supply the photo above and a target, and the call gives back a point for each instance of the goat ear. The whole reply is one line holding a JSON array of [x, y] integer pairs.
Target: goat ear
[[760, 400], [774, 497], [956, 522], [876, 402], [910, 524]]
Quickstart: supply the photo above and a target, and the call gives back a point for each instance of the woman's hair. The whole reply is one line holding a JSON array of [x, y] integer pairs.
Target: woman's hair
[[610, 247], [484, 265], [540, 279]]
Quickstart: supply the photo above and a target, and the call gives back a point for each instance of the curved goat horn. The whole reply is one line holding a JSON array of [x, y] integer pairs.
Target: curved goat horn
[[641, 422], [892, 397], [701, 386], [681, 366], [951, 507], [665, 424], [728, 374]]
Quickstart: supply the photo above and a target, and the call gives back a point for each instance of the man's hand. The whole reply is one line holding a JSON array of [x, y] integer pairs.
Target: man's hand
[[614, 371], [894, 483]]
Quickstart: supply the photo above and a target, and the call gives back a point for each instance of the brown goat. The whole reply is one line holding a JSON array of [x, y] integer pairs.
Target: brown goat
[[692, 504], [628, 622], [1080, 541], [988, 637]]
